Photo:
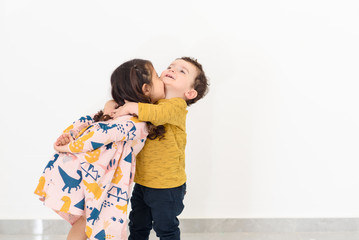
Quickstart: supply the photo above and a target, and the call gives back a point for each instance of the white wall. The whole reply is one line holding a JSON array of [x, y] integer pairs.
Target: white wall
[[277, 136]]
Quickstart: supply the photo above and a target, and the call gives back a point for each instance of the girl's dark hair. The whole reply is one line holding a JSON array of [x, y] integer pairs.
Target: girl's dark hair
[[127, 81]]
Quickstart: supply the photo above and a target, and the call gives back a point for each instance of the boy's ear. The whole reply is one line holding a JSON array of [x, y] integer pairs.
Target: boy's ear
[[146, 89], [191, 94]]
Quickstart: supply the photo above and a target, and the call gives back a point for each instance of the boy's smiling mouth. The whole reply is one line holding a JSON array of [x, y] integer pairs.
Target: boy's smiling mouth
[[169, 76]]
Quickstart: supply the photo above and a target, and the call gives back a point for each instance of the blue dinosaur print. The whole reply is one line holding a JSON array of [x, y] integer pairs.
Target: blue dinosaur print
[[86, 118], [101, 235], [105, 127], [94, 215], [51, 163], [69, 181]]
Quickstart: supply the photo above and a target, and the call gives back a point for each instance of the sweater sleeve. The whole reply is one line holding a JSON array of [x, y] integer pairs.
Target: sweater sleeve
[[101, 133], [167, 111]]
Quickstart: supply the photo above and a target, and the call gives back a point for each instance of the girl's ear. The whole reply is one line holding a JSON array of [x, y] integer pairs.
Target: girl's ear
[[191, 94], [146, 89]]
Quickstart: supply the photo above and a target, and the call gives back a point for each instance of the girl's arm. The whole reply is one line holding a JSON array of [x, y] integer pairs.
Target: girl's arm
[[79, 125], [75, 128], [64, 139], [100, 134]]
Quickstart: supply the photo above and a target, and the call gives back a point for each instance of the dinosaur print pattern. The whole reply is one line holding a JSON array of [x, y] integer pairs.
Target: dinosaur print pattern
[[94, 215], [51, 163], [67, 202], [40, 187], [93, 188], [69, 181], [94, 179]]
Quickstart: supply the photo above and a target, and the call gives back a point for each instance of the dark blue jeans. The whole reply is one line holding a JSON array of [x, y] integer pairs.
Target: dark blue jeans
[[157, 208]]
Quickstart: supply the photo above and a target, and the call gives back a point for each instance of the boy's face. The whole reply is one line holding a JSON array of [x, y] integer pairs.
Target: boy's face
[[179, 79]]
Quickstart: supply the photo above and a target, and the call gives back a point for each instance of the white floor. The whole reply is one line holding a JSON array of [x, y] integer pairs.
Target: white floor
[[222, 236]]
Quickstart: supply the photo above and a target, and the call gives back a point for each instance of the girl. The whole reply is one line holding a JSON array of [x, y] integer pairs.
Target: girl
[[88, 180]]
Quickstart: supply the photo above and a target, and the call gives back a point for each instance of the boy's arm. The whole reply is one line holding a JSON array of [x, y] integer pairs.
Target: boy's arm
[[100, 134], [166, 112]]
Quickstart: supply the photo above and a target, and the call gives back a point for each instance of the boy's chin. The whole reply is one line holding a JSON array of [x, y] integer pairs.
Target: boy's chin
[[168, 81]]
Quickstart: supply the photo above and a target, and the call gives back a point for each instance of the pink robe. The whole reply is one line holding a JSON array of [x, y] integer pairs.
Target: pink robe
[[94, 179]]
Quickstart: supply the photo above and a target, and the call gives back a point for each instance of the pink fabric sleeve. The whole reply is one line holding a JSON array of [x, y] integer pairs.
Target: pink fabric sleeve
[[101, 133], [79, 125]]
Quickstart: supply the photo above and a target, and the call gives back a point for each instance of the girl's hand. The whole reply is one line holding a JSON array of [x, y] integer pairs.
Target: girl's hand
[[62, 149], [61, 144], [64, 139]]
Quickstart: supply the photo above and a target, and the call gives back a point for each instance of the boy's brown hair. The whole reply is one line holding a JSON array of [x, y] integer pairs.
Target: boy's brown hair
[[200, 82]]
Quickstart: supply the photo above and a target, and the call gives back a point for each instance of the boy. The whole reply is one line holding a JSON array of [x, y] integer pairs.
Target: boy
[[158, 194]]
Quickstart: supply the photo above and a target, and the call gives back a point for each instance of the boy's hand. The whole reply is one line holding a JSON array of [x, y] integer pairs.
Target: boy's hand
[[126, 109], [64, 139]]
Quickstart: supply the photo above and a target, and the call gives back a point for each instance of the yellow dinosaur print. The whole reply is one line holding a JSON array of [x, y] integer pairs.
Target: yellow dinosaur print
[[88, 231], [93, 156], [117, 176], [67, 130], [93, 188], [122, 208], [40, 187], [78, 145], [67, 202]]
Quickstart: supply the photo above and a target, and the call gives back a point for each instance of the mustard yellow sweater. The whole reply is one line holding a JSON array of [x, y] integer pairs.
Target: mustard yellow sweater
[[161, 163]]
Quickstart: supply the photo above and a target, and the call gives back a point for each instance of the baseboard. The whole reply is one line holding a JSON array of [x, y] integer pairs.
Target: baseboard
[[280, 225]]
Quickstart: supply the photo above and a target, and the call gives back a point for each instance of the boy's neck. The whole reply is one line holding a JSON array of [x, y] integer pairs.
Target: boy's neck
[[169, 96]]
